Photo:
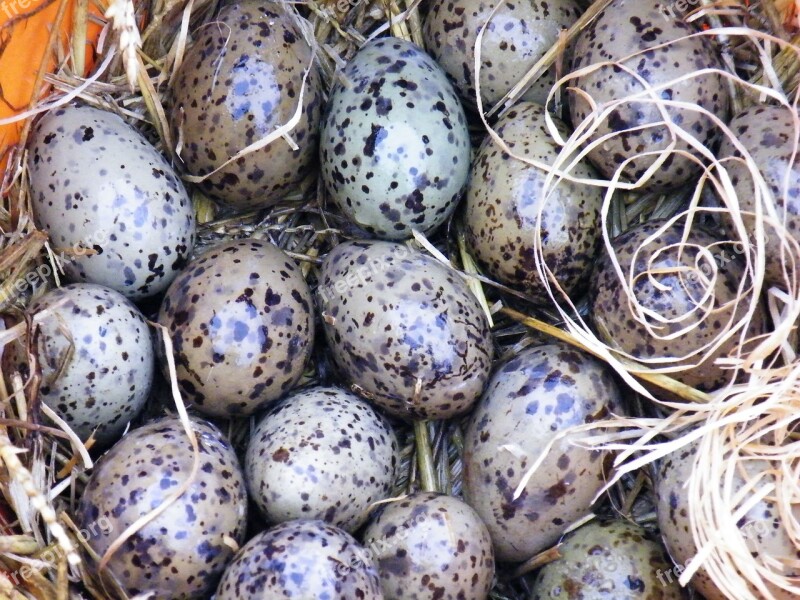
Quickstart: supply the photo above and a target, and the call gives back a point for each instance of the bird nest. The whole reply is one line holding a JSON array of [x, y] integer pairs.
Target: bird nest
[[43, 467]]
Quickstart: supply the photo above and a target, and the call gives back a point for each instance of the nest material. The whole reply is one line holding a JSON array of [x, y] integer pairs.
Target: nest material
[[44, 469]]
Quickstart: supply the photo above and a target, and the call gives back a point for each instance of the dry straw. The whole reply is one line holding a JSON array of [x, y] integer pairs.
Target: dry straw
[[143, 44]]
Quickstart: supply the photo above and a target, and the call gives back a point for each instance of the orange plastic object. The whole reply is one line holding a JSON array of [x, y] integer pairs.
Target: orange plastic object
[[25, 27]]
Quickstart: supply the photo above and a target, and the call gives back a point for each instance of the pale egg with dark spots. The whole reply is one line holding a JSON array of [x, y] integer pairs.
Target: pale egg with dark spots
[[243, 77], [404, 329], [663, 56], [608, 559], [531, 398], [685, 293], [514, 39], [762, 530], [301, 559], [769, 134], [510, 202], [109, 200], [240, 318], [95, 352], [430, 545], [394, 144], [181, 553], [321, 453]]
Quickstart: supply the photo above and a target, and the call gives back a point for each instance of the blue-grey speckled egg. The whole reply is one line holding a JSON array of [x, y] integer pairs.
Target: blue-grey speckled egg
[[394, 143], [542, 391], [516, 37], [321, 453], [241, 79], [96, 355], [405, 329], [241, 321], [109, 200], [303, 560], [181, 553]]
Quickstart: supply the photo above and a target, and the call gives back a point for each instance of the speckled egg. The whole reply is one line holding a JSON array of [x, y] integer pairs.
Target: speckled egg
[[537, 394], [95, 352], [404, 329], [431, 546], [304, 560], [394, 144], [241, 322], [608, 559], [181, 553], [626, 27], [768, 134], [109, 201], [241, 79], [506, 197], [514, 40], [321, 453], [672, 283], [762, 528]]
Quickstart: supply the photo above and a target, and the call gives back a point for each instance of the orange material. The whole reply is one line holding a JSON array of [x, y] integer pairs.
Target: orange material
[[25, 27]]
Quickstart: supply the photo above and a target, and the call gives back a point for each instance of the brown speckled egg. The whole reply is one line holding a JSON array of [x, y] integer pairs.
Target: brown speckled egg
[[394, 144], [181, 553], [768, 134], [514, 40], [762, 529], [504, 200], [624, 28], [431, 546], [240, 80], [404, 329], [671, 284], [539, 393], [610, 559], [109, 200], [306, 560], [321, 453], [96, 355], [242, 328]]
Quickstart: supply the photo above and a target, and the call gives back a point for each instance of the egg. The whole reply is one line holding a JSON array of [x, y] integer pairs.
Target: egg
[[404, 329], [95, 353], [301, 559], [181, 553], [394, 144], [684, 312], [761, 528], [431, 545], [632, 27], [608, 559], [321, 453], [516, 37], [769, 135], [241, 322], [536, 395], [241, 79], [506, 196], [110, 202]]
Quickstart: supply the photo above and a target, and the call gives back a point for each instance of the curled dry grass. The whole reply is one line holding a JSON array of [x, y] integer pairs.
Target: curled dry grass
[[141, 47]]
